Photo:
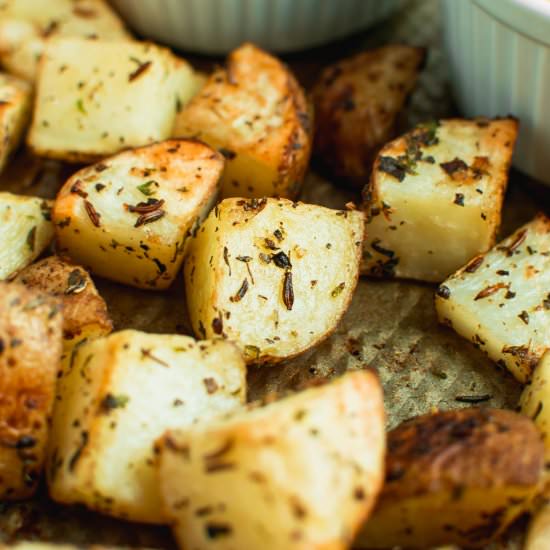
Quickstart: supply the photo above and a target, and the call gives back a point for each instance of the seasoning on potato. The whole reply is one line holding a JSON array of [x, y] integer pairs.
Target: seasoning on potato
[[30, 351], [116, 397], [25, 229], [256, 114], [272, 275], [303, 472], [500, 301], [456, 477], [129, 217], [96, 98], [357, 105], [435, 197]]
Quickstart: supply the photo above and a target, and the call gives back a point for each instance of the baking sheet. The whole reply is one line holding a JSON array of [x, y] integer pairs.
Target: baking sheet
[[390, 326]]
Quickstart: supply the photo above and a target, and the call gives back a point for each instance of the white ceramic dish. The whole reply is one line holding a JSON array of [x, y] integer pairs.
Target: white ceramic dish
[[499, 53], [218, 26]]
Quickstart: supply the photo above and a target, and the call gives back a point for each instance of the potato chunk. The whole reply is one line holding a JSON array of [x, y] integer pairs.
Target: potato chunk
[[85, 314], [501, 301], [96, 98], [30, 350], [25, 26], [121, 393], [535, 400], [303, 472], [272, 275], [357, 102], [128, 218], [15, 108], [25, 231], [457, 477], [435, 197], [256, 114]]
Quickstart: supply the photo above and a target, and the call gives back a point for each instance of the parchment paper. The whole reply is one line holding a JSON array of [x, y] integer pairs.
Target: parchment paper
[[390, 326]]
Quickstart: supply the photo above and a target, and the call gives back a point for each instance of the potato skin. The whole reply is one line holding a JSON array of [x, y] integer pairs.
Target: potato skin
[[256, 113], [30, 351], [357, 102], [85, 312], [456, 477]]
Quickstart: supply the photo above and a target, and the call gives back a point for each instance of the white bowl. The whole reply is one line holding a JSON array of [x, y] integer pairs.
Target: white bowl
[[218, 26], [499, 52]]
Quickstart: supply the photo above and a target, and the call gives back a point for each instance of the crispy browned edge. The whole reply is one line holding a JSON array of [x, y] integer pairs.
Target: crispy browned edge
[[464, 448], [30, 351], [341, 131]]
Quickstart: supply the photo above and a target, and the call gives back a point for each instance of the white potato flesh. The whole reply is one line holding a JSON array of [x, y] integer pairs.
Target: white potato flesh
[[25, 231], [118, 395], [96, 98], [500, 301], [25, 25], [535, 401], [303, 472], [256, 113], [272, 275], [15, 109], [128, 218], [30, 351], [428, 216]]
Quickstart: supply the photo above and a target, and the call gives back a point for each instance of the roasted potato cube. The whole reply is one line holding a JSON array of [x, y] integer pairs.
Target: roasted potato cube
[[30, 351], [85, 314], [435, 196], [458, 477], [535, 400], [538, 533], [119, 394], [303, 472], [25, 26], [272, 275], [357, 103], [15, 109], [128, 218], [256, 114], [96, 98], [25, 231], [501, 302]]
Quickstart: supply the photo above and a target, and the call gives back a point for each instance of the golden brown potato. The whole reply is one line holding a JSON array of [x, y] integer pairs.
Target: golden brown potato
[[300, 473], [435, 197], [272, 275], [95, 98], [116, 396], [357, 102], [456, 477], [30, 350], [15, 110], [85, 314], [129, 217], [256, 114], [500, 300], [26, 25]]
